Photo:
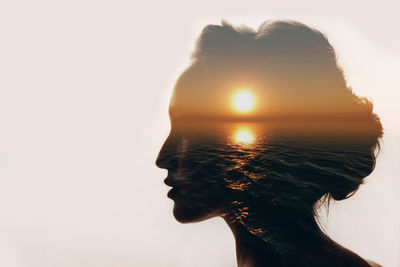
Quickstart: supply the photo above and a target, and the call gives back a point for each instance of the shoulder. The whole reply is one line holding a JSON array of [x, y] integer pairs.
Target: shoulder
[[373, 264], [350, 258]]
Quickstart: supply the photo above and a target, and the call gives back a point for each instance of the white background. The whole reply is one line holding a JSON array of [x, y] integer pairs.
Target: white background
[[84, 89]]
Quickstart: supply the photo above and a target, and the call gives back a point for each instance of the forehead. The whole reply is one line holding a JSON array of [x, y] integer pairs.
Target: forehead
[[193, 93]]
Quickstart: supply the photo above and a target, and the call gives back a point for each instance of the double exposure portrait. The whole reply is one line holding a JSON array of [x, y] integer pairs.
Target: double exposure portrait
[[265, 130], [205, 133]]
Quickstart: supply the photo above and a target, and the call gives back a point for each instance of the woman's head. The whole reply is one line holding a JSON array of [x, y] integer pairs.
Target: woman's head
[[307, 136]]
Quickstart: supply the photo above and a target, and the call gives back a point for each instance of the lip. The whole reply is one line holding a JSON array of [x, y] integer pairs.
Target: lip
[[177, 186], [172, 181], [168, 181], [173, 193]]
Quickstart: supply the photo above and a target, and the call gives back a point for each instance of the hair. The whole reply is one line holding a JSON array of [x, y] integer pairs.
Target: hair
[[296, 50]]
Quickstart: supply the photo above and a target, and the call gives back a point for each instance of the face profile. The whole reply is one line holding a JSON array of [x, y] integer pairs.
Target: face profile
[[263, 128]]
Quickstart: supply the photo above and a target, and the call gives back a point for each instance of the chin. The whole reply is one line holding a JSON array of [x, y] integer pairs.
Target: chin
[[184, 213]]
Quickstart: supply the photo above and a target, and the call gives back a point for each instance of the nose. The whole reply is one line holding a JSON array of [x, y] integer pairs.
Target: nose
[[167, 158]]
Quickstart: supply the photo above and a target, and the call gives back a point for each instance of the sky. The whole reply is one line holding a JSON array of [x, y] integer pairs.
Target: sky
[[84, 93]]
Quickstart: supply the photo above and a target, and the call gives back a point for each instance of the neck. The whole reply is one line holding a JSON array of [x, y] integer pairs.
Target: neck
[[286, 236]]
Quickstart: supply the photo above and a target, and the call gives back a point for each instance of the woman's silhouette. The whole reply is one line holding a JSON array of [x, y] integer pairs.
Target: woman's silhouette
[[299, 136]]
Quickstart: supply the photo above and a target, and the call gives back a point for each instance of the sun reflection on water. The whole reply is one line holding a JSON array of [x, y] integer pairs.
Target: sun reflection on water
[[244, 136]]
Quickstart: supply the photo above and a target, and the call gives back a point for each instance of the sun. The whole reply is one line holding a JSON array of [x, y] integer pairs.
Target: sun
[[243, 102]]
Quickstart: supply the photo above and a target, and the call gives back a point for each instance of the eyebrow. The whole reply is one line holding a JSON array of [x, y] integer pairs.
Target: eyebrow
[[171, 111], [173, 114]]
